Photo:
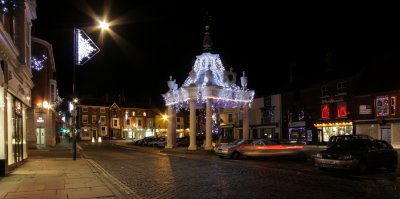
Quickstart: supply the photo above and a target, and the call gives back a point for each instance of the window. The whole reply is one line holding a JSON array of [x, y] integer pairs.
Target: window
[[341, 109], [268, 115], [102, 110], [85, 109], [341, 88], [230, 118], [300, 113], [325, 113], [85, 119], [94, 119], [103, 131], [139, 123], [133, 113], [103, 119], [178, 126], [392, 105], [324, 91], [382, 106], [128, 121], [115, 122], [178, 119]]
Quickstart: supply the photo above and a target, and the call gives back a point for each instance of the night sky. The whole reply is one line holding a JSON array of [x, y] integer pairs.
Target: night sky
[[162, 38]]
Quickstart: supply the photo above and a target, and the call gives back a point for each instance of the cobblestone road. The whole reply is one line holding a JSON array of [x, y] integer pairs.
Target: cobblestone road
[[151, 175]]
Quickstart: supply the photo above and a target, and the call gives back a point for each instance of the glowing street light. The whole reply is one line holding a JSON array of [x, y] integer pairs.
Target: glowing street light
[[104, 25], [84, 50]]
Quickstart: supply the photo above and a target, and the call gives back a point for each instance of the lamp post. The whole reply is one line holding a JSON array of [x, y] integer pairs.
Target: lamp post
[[84, 50]]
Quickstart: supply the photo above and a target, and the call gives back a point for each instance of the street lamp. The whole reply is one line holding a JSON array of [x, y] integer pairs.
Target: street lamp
[[84, 50]]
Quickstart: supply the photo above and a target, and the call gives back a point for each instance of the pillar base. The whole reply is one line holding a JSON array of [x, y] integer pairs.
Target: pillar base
[[208, 148], [192, 148], [169, 147]]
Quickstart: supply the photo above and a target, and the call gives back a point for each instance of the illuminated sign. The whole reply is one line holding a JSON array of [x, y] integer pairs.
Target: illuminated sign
[[40, 119]]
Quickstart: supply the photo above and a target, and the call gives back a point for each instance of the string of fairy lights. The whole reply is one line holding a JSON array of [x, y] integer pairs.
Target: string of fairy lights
[[37, 63]]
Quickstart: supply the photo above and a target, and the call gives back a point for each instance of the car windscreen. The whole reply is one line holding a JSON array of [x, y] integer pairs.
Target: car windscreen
[[356, 144]]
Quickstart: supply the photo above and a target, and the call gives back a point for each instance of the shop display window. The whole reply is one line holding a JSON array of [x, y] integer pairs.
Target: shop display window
[[342, 109], [382, 106], [325, 113]]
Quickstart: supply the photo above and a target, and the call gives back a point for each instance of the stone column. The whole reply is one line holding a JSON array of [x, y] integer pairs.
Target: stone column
[[208, 145], [192, 106], [171, 137], [246, 122]]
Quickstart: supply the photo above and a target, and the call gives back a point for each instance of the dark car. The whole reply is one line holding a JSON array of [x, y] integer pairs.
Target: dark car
[[338, 138], [358, 154]]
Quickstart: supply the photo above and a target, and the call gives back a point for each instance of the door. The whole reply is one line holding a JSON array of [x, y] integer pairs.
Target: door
[[94, 133], [40, 136], [18, 139], [386, 135]]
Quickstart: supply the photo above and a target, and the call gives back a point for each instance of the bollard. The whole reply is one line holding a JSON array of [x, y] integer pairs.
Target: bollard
[[99, 139], [93, 139]]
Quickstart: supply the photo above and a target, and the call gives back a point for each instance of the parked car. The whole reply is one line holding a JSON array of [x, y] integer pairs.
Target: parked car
[[358, 154], [338, 138], [256, 148]]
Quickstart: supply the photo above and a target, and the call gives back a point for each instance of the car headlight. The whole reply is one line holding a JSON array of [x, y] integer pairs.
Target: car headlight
[[345, 157], [318, 155]]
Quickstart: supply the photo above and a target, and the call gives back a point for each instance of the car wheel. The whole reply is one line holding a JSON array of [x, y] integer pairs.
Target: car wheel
[[392, 166], [235, 155], [362, 167]]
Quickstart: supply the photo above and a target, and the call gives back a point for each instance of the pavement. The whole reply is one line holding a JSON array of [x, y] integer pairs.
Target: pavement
[[52, 173]]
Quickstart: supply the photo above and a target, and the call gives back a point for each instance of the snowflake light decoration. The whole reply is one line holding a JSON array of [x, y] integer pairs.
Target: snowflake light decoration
[[37, 63], [85, 47]]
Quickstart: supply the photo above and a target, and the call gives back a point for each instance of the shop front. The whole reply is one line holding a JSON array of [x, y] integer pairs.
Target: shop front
[[328, 129]]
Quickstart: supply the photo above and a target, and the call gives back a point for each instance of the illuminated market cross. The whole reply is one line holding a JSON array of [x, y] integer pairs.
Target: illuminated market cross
[[211, 85]]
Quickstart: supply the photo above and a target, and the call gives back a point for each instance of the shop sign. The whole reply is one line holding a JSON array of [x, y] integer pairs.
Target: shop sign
[[40, 119], [297, 124], [365, 109], [331, 101]]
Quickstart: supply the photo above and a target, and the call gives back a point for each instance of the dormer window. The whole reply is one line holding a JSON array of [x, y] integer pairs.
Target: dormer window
[[324, 91], [341, 88]]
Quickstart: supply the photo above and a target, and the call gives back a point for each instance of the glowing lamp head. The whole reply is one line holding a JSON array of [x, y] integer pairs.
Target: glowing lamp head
[[104, 25], [165, 117]]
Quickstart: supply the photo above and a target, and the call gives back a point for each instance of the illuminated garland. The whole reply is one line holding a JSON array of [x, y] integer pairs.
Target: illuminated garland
[[37, 63], [7, 6]]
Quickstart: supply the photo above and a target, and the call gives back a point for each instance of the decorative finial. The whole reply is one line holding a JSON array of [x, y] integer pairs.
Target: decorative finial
[[171, 84], [207, 42], [243, 81]]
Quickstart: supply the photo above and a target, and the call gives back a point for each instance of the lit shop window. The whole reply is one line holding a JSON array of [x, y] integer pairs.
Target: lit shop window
[[342, 109], [382, 106], [325, 111]]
